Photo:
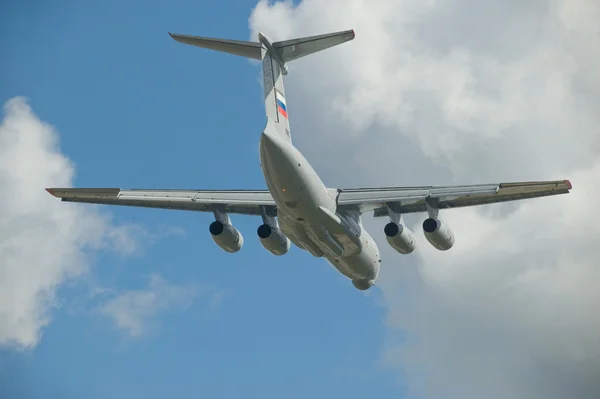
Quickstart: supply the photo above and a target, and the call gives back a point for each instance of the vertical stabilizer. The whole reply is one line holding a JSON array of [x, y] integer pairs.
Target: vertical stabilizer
[[275, 103]]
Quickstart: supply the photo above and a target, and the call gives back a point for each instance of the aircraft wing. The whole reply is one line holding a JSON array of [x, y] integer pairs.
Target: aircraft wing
[[245, 202], [413, 199]]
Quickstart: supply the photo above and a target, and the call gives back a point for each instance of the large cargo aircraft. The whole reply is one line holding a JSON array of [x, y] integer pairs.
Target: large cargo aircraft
[[297, 206]]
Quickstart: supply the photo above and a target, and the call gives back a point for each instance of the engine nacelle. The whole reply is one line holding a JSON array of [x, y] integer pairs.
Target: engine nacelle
[[400, 237], [273, 240], [438, 234], [226, 236]]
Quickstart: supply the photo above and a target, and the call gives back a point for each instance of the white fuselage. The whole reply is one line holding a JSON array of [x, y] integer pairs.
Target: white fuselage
[[308, 216]]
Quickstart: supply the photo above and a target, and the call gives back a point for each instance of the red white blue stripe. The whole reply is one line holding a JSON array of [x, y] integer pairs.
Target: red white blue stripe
[[281, 107]]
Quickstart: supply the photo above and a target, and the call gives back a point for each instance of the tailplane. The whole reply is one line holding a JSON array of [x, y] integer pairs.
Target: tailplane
[[274, 56]]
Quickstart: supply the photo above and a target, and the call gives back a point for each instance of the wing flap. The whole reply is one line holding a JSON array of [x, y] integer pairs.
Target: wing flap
[[84, 193], [247, 202], [413, 199], [409, 195]]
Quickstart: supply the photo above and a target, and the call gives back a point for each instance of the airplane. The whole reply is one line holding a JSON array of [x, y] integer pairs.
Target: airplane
[[297, 207]]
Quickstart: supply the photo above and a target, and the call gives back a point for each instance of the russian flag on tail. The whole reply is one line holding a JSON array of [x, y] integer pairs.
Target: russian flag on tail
[[281, 107]]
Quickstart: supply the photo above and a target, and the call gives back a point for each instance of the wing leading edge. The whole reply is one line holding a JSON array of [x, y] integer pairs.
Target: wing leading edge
[[415, 199], [244, 202]]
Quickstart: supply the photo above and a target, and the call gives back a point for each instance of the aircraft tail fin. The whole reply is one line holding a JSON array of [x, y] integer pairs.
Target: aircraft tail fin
[[274, 56]]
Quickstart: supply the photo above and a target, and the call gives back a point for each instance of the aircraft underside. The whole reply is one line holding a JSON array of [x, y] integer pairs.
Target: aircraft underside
[[298, 207]]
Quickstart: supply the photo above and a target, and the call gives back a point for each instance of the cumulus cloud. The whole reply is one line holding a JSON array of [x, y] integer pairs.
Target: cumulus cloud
[[43, 243], [466, 92], [135, 311]]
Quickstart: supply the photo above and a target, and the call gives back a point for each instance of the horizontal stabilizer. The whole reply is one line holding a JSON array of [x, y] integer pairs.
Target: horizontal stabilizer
[[236, 47], [287, 50], [290, 50]]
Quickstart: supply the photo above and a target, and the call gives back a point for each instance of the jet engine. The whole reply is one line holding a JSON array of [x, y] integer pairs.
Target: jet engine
[[399, 237], [273, 239], [438, 234], [226, 236]]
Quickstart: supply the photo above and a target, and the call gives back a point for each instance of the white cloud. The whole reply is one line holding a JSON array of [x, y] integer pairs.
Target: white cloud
[[466, 92], [43, 242], [135, 311]]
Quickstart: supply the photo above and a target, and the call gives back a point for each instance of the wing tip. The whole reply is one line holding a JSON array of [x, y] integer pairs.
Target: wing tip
[[568, 184], [175, 36], [51, 192]]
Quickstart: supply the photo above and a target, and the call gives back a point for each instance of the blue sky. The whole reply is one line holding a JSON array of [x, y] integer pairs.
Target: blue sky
[[118, 302], [135, 109]]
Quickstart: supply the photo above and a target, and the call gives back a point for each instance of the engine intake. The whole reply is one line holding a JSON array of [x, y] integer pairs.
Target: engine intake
[[226, 236], [438, 234], [273, 239], [400, 238]]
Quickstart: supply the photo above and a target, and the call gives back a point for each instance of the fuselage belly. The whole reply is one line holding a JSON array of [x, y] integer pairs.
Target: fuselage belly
[[305, 206]]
